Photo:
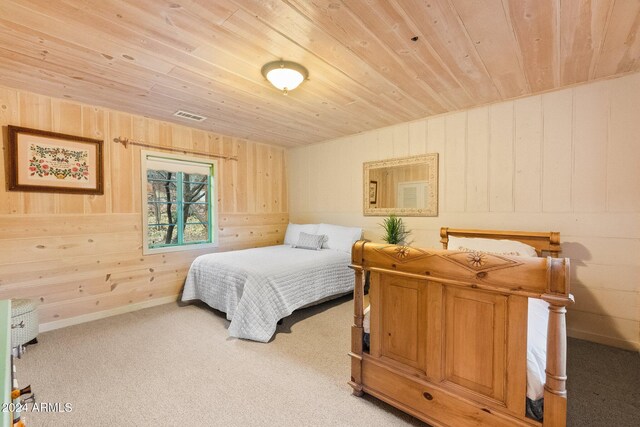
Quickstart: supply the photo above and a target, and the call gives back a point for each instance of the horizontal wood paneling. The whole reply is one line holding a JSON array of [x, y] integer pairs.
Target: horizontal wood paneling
[[79, 254], [564, 161]]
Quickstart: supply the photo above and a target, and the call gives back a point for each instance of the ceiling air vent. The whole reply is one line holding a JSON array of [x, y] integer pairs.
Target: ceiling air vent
[[189, 116]]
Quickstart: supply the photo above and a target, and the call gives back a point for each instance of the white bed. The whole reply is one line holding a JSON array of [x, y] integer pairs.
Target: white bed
[[258, 287]]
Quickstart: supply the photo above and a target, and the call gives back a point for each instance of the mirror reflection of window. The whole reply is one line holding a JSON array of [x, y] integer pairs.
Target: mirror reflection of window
[[392, 182], [405, 186], [412, 195]]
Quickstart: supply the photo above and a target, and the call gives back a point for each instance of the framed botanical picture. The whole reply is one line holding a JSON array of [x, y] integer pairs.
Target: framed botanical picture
[[50, 162], [373, 192]]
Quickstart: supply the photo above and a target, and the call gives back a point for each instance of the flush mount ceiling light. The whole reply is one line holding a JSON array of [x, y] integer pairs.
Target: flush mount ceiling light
[[285, 75]]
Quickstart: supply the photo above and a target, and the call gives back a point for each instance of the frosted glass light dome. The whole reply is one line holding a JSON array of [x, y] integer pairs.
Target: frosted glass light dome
[[285, 75]]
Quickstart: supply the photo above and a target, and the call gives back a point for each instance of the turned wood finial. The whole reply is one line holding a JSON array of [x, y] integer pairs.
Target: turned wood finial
[[554, 244], [444, 237]]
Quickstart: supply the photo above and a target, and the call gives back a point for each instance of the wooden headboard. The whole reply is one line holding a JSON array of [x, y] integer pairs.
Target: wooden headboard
[[548, 242]]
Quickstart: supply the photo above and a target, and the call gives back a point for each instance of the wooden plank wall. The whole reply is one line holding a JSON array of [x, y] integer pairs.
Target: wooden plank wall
[[80, 254], [564, 161]]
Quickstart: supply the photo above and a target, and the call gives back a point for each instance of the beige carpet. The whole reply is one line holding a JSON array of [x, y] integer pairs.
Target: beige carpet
[[176, 366]]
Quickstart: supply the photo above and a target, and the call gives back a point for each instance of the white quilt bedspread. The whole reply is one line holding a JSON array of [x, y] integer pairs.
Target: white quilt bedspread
[[258, 287]]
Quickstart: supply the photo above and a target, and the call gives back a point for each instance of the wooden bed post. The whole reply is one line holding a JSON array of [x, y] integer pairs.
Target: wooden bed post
[[555, 388], [444, 237], [554, 244], [357, 330]]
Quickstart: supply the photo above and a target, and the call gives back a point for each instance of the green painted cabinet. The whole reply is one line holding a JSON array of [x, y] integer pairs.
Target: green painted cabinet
[[5, 360]]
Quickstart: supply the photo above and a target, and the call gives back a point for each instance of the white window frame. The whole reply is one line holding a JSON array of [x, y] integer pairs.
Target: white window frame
[[146, 250], [421, 198]]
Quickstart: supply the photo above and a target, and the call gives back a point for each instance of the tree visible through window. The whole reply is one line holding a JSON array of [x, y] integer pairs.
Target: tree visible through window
[[178, 207]]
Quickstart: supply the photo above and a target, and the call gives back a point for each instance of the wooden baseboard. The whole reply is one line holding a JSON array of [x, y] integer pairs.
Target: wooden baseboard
[[63, 323], [601, 339]]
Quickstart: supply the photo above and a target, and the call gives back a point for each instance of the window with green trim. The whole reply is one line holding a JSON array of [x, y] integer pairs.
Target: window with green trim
[[179, 203]]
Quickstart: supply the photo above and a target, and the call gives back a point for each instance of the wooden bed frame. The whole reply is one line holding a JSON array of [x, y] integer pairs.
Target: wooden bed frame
[[448, 336]]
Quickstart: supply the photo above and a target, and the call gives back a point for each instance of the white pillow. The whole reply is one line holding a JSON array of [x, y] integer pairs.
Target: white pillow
[[292, 235], [339, 238], [498, 247], [310, 241]]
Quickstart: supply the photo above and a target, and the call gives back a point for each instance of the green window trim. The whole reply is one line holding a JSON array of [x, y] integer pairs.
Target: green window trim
[[191, 223]]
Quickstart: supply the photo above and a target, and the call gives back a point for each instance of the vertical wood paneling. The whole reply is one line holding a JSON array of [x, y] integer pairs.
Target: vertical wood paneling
[[417, 137], [140, 131], [325, 162], [557, 162], [623, 150], [229, 172], [121, 163], [401, 140], [565, 161], [261, 176], [277, 166], [80, 254], [284, 174], [385, 143], [316, 178], [361, 154], [501, 157], [436, 144], [35, 112], [454, 164], [93, 126], [590, 134], [272, 181], [67, 118], [341, 162], [528, 149], [477, 160], [10, 202], [297, 161], [251, 177], [241, 173]]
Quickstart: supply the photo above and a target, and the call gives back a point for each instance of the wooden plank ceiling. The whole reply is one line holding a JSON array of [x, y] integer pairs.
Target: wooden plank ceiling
[[154, 57]]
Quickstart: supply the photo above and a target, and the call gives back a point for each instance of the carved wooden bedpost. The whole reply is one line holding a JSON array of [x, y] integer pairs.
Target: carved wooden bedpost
[[555, 388], [357, 330], [444, 237]]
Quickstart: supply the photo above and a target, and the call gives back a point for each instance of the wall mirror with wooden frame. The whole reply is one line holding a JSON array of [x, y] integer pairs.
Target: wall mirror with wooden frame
[[406, 186]]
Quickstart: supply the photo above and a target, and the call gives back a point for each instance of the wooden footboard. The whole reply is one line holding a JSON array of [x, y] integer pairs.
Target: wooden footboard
[[449, 333]]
